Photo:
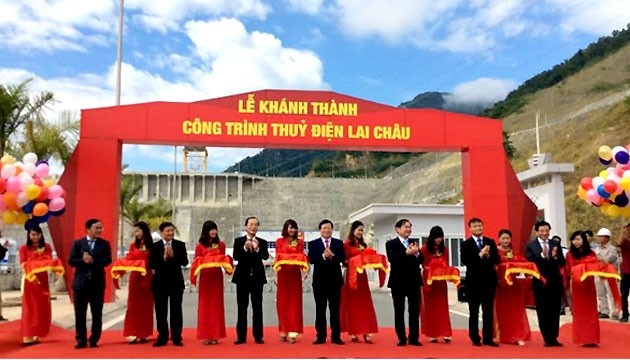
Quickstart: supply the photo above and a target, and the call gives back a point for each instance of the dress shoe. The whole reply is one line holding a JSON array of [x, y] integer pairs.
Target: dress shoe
[[292, 340], [319, 341], [623, 319], [433, 340], [604, 316], [159, 343], [402, 343], [30, 343], [259, 341], [476, 343], [178, 343], [415, 343], [557, 344], [590, 345], [367, 339], [93, 345], [239, 342], [447, 339], [81, 345], [338, 342], [491, 343]]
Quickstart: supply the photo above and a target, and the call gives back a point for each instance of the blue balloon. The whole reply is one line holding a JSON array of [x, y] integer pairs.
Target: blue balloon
[[602, 192], [622, 200], [42, 219], [605, 162], [57, 213], [28, 208], [622, 157], [41, 162]]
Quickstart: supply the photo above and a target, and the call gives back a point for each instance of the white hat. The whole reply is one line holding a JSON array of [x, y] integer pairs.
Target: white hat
[[604, 232]]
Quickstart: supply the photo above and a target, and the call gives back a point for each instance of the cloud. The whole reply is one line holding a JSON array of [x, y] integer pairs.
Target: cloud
[[474, 26], [237, 61], [75, 25], [482, 91], [311, 7], [55, 25]]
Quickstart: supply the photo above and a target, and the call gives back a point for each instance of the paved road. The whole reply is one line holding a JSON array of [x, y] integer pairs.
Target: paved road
[[382, 304]]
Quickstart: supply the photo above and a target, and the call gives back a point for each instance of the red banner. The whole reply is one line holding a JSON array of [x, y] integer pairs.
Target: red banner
[[33, 267], [120, 266], [368, 259], [438, 270], [291, 259], [210, 261]]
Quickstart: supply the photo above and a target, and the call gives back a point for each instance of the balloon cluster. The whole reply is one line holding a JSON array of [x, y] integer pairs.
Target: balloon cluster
[[27, 195], [609, 190]]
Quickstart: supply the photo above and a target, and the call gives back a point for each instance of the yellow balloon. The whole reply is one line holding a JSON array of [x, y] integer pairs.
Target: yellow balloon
[[7, 159], [603, 174], [49, 182], [9, 217], [625, 183], [613, 211], [581, 193], [605, 152], [22, 218], [33, 191], [625, 211]]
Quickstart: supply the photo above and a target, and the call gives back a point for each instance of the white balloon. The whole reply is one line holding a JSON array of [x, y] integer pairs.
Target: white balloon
[[7, 171], [30, 158], [626, 174], [597, 181], [29, 168], [617, 149], [25, 180]]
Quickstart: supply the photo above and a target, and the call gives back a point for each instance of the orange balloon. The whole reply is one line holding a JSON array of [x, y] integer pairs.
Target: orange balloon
[[40, 209], [22, 218], [9, 200], [18, 170]]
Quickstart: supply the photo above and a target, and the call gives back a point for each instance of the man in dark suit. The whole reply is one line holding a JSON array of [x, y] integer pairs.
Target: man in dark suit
[[405, 281], [168, 255], [89, 256], [4, 247], [480, 255], [327, 255], [249, 277], [547, 254]]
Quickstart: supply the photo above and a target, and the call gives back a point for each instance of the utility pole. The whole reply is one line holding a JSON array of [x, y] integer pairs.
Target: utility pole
[[537, 133], [119, 51]]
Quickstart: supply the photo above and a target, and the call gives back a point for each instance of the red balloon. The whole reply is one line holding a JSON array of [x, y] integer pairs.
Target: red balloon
[[586, 183], [610, 186], [43, 195], [40, 183], [3, 185]]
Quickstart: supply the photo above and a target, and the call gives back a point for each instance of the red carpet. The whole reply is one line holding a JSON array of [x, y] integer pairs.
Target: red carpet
[[59, 344]]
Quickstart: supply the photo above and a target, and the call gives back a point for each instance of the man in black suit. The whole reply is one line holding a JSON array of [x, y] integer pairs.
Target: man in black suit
[[547, 254], [249, 277], [327, 255], [168, 255], [480, 255], [405, 281], [4, 246], [89, 256]]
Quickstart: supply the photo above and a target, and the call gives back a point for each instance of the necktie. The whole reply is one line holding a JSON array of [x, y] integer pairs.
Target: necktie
[[545, 249], [479, 243], [327, 242], [91, 245], [406, 243]]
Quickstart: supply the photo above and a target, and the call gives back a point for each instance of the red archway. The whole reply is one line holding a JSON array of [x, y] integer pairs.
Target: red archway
[[286, 119]]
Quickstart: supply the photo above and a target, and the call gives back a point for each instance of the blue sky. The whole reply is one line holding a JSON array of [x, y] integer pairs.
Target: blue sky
[[382, 50]]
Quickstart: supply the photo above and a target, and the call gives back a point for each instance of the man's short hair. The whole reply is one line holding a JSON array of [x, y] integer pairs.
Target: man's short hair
[[250, 218], [90, 222], [166, 224], [474, 220], [400, 223], [540, 224], [324, 222]]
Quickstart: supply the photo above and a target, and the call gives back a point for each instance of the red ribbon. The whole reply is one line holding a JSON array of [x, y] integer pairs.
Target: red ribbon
[[367, 259], [518, 265], [210, 261], [283, 259], [40, 264], [604, 270], [438, 270]]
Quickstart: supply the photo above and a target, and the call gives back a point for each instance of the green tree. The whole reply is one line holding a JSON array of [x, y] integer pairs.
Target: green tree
[[17, 107], [50, 139], [510, 150]]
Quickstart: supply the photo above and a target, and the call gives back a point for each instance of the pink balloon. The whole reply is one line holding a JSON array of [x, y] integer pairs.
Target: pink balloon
[[592, 196], [3, 206], [57, 204], [14, 185], [21, 199], [55, 191], [42, 171]]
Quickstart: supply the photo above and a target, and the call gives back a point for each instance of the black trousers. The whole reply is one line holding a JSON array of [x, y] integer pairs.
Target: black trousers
[[165, 299], [548, 299], [93, 295], [329, 296], [412, 294], [243, 293], [625, 291], [484, 298]]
